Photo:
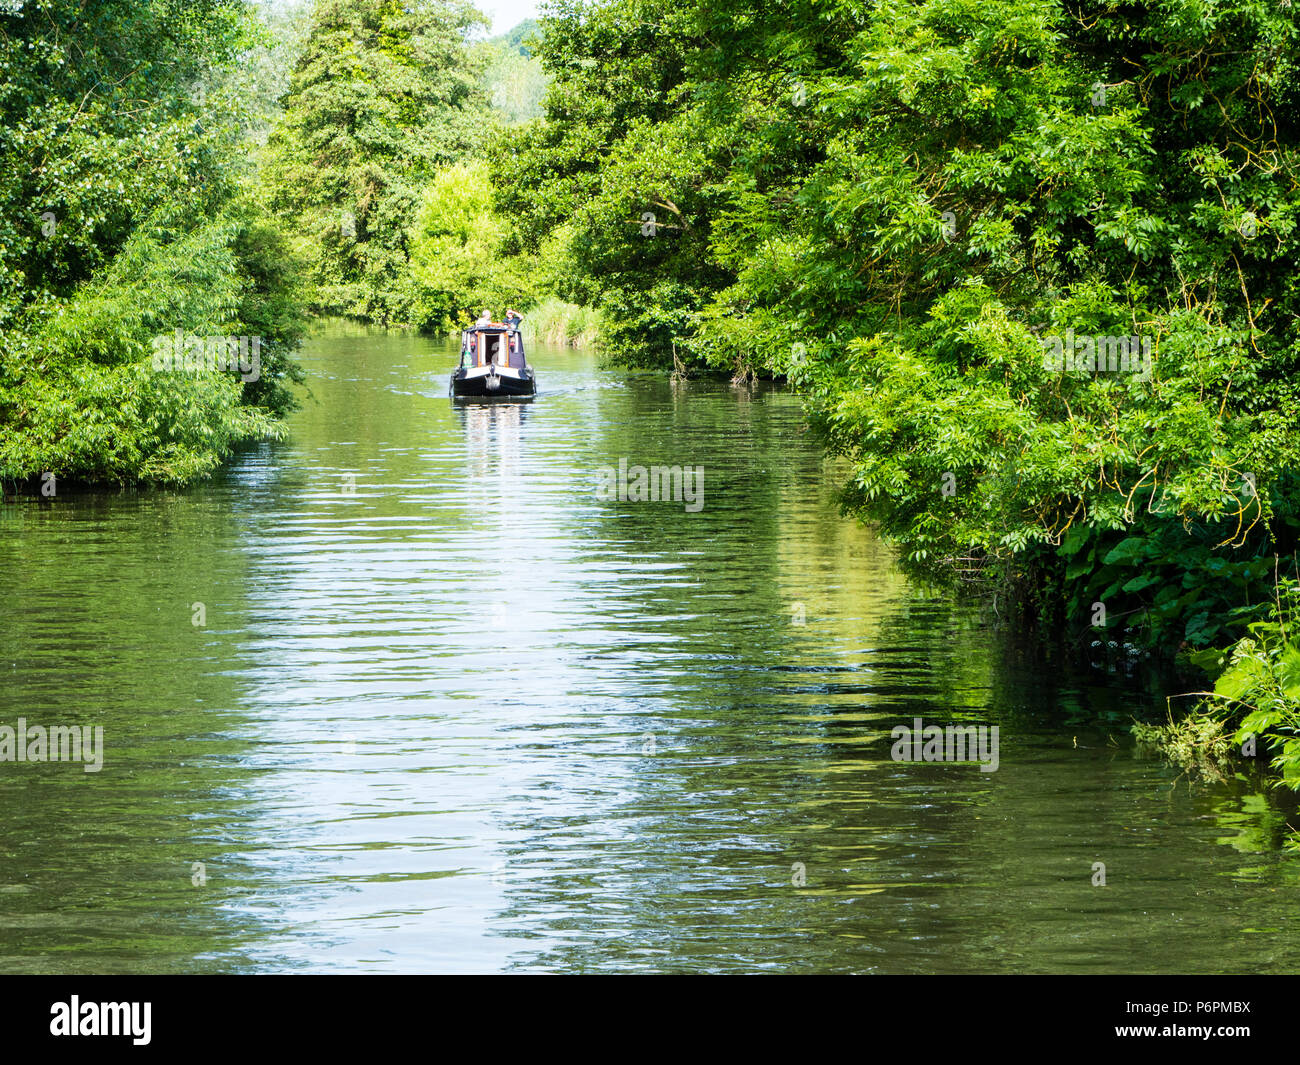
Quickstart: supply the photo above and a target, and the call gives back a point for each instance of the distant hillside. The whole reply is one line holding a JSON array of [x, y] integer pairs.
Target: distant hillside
[[514, 39]]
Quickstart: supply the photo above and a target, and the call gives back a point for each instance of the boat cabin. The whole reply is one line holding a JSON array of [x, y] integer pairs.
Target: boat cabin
[[492, 364], [492, 345]]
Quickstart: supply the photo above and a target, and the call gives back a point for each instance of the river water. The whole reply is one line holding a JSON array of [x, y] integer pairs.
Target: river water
[[402, 693]]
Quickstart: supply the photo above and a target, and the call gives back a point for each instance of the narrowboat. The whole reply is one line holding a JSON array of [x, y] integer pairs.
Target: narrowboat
[[492, 364]]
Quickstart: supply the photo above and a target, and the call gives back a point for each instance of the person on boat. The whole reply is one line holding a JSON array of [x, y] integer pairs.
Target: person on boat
[[485, 318], [513, 318]]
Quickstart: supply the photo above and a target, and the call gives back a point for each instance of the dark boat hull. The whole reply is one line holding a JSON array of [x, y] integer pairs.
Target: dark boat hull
[[481, 387]]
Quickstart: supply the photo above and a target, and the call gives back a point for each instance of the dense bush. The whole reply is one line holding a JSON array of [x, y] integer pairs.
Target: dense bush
[[125, 214]]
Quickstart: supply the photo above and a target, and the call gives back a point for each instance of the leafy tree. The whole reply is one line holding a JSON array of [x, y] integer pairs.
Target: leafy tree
[[898, 205], [599, 165], [457, 257], [384, 94], [516, 84], [125, 216]]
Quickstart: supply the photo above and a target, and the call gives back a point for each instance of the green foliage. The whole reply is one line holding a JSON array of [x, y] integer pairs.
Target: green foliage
[[608, 157], [261, 77], [125, 215], [521, 38], [1260, 688], [804, 170], [464, 259], [1167, 583], [458, 262], [1255, 700], [552, 321], [515, 83], [79, 395], [384, 94]]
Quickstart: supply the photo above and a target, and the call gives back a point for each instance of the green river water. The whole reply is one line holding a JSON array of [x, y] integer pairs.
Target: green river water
[[447, 710]]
